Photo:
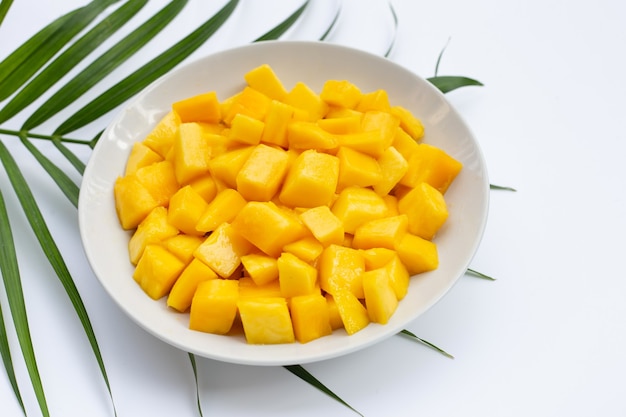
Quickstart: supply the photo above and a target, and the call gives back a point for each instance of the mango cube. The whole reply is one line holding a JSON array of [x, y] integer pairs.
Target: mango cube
[[157, 270], [250, 102], [353, 314], [432, 165], [324, 225], [140, 156], [393, 168], [380, 233], [184, 288], [374, 100], [310, 317], [160, 180], [268, 227], [205, 187], [333, 313], [380, 298], [226, 166], [341, 125], [246, 129], [185, 209], [307, 249], [161, 137], [266, 320], [264, 79], [192, 152], [133, 201], [417, 254], [278, 117], [222, 250], [311, 180], [249, 289], [404, 143], [341, 267], [203, 107], [309, 135], [356, 205], [398, 276], [408, 122], [261, 268], [357, 169], [377, 257], [153, 229], [425, 209], [262, 173], [303, 97], [214, 306], [224, 208], [295, 276], [183, 246], [341, 93]]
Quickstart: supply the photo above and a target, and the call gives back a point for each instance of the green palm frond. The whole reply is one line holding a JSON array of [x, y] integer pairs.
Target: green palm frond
[[5, 5]]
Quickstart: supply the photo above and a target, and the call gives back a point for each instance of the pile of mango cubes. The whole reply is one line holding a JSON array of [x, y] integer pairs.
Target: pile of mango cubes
[[287, 214]]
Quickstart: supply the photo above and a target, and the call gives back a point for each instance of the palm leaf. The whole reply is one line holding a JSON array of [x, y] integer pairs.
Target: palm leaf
[[13, 287], [395, 29], [4, 342], [192, 359], [412, 336], [70, 57], [39, 227], [104, 65], [28, 59], [333, 23], [447, 83], [135, 82], [5, 5], [306, 376], [284, 25], [69, 155]]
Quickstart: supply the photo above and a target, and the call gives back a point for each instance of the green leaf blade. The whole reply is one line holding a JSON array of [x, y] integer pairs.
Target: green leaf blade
[[135, 82], [447, 83], [5, 5], [5, 352], [104, 65], [282, 27], [70, 57], [414, 337]]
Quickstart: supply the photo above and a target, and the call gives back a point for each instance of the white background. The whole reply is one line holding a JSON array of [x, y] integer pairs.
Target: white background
[[548, 338]]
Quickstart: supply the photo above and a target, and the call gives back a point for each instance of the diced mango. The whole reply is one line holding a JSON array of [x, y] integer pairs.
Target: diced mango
[[266, 320], [417, 254], [205, 186], [311, 180], [214, 306], [246, 129], [369, 142], [267, 227], [341, 267], [157, 270], [333, 313], [380, 233], [308, 249], [393, 167], [303, 97], [353, 314], [380, 297], [279, 115], [226, 166], [250, 102], [249, 289], [133, 201], [383, 122], [295, 276], [153, 229], [203, 107], [377, 257], [161, 137], [309, 135], [341, 125], [341, 93], [404, 143], [140, 156], [356, 205], [264, 79], [185, 209], [183, 246], [398, 276], [224, 208], [357, 169], [323, 224], [182, 292], [192, 152], [432, 165], [408, 122], [262, 174], [309, 314], [374, 100], [160, 180], [425, 209], [222, 250], [261, 268]]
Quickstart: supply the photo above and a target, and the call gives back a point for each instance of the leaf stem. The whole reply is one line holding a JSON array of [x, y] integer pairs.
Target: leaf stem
[[479, 274], [425, 342], [21, 133]]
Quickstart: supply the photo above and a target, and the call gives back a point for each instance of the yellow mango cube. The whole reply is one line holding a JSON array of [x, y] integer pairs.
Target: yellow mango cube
[[311, 180], [223, 209], [183, 246], [426, 210], [268, 227], [185, 209], [357, 169], [392, 204], [222, 250], [250, 102], [309, 135], [353, 314], [262, 174], [192, 152], [341, 93], [417, 254], [133, 201], [408, 122], [261, 268], [369, 142], [161, 137], [246, 129], [341, 125], [140, 156], [324, 225], [308, 249], [432, 165], [203, 107], [157, 270], [184, 288], [303, 97], [380, 298], [214, 306], [153, 229], [160, 180], [355, 206], [377, 257], [278, 117], [295, 276], [264, 79], [341, 267], [393, 168], [249, 289], [380, 233], [226, 166], [333, 312], [310, 317], [404, 143], [383, 122], [398, 276], [205, 187], [374, 100], [266, 320]]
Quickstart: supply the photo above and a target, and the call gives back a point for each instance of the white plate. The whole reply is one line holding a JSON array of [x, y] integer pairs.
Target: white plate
[[105, 242]]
